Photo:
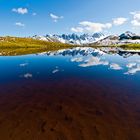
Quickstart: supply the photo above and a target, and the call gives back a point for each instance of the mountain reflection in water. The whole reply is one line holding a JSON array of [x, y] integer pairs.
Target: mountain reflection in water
[[87, 57]]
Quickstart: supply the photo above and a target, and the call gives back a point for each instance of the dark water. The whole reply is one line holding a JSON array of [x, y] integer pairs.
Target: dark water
[[96, 91]]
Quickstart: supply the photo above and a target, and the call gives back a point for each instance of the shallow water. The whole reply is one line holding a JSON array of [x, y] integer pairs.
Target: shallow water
[[79, 93]]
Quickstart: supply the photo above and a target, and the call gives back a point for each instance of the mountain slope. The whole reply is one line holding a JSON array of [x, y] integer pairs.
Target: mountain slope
[[110, 40], [125, 38], [129, 35]]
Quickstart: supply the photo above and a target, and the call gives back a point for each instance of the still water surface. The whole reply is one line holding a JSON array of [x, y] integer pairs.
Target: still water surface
[[79, 63]]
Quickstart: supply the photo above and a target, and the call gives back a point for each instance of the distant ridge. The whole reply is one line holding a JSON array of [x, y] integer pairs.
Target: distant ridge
[[125, 38], [94, 39], [129, 35], [72, 38]]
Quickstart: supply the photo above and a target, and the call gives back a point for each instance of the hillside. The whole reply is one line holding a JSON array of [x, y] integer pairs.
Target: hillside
[[17, 46], [127, 40]]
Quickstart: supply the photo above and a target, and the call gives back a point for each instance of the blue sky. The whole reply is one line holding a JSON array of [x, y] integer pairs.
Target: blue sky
[[30, 17]]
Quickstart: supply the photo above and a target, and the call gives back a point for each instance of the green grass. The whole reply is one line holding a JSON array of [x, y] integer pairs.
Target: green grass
[[21, 46], [125, 46], [130, 46]]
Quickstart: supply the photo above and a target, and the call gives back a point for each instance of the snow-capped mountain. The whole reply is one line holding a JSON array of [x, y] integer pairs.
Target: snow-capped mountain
[[94, 39], [129, 35], [110, 40], [125, 38], [72, 38]]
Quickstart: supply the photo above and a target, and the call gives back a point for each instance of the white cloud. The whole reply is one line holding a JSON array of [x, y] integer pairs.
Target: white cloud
[[77, 29], [19, 24], [115, 66], [20, 10], [87, 26], [93, 61], [119, 21], [135, 23], [55, 17], [95, 27], [136, 18], [34, 14]]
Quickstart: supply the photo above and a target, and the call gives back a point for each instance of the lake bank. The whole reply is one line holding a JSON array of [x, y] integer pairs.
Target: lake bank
[[21, 46]]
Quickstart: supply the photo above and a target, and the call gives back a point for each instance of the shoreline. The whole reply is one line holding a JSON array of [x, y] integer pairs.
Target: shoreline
[[21, 46]]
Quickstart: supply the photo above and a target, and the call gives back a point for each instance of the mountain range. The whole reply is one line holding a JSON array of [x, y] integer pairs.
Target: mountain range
[[72, 38], [93, 39]]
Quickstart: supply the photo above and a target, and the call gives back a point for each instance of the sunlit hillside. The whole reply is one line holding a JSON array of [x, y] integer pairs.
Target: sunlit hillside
[[15, 45]]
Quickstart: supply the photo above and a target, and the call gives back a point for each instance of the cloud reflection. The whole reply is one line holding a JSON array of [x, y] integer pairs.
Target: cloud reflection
[[23, 65], [90, 57], [93, 61], [55, 71], [133, 70], [77, 59], [28, 75], [115, 66], [131, 65]]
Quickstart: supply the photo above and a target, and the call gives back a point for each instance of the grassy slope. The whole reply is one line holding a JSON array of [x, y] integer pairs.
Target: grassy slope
[[18, 46], [130, 46], [125, 46]]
